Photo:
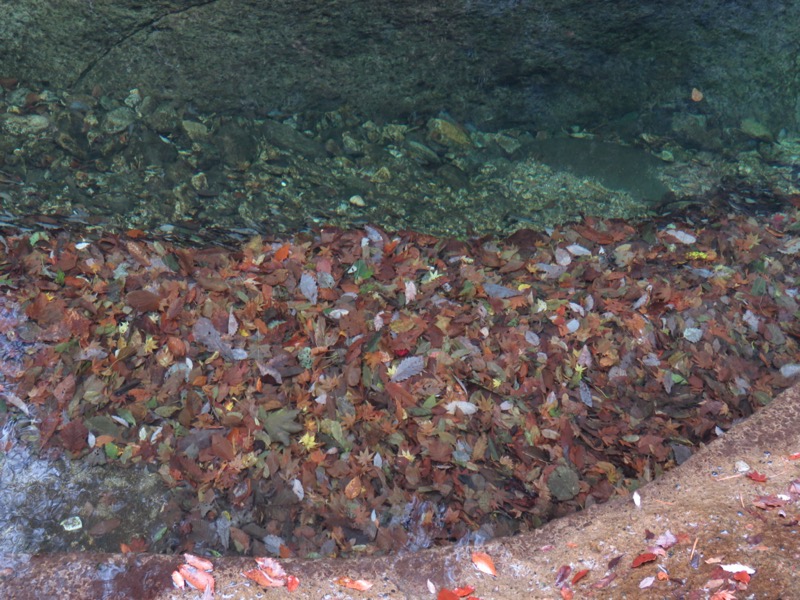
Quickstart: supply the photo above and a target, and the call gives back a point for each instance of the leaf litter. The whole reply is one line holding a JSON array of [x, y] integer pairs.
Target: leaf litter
[[351, 392]]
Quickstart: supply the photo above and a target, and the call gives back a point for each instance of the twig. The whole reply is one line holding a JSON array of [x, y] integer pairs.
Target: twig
[[694, 546]]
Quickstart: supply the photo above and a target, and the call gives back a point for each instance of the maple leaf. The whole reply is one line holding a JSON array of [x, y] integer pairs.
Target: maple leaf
[[280, 423]]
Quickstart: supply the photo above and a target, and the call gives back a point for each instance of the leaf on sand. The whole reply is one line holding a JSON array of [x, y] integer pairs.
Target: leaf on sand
[[484, 563], [263, 579], [643, 558], [409, 367], [280, 423], [361, 585]]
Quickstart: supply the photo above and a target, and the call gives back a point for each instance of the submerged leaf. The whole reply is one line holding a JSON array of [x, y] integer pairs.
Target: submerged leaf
[[280, 423]]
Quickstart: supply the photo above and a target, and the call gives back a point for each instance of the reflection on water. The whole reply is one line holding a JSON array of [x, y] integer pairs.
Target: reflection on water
[[57, 505]]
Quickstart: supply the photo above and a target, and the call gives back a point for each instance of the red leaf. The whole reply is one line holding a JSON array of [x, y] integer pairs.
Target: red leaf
[[292, 583], [742, 576], [756, 476], [445, 594], [580, 575], [643, 558], [562, 575]]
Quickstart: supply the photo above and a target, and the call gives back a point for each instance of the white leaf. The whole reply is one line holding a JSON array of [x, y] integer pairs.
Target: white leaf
[[408, 367], [431, 587], [646, 582], [738, 568], [308, 287], [233, 324], [693, 334], [238, 354], [500, 291], [338, 313], [790, 370], [681, 236], [578, 250], [562, 257], [468, 408], [297, 488], [410, 291], [532, 338], [637, 499]]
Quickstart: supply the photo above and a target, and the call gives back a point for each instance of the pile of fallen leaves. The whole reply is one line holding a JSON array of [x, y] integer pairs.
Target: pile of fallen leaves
[[360, 391]]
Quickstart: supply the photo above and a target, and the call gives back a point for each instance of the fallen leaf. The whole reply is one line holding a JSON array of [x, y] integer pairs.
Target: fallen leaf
[[643, 558], [484, 563], [756, 476], [361, 585], [580, 575]]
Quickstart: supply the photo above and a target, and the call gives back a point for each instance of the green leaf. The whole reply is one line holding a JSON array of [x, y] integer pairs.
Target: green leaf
[[280, 423], [360, 270], [759, 287], [112, 450], [37, 237]]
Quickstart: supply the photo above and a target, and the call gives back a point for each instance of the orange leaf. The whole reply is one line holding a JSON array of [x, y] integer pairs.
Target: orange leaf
[[795, 456], [756, 476], [262, 579], [580, 575], [198, 562], [271, 567], [362, 585], [292, 583], [282, 253], [445, 594], [567, 594], [484, 563], [464, 591], [643, 558], [353, 488]]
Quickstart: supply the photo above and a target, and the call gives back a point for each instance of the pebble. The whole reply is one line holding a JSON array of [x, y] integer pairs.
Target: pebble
[[118, 120], [25, 124]]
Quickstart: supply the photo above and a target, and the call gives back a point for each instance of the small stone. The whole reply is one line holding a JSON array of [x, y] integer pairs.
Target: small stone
[[25, 124], [754, 129], [448, 134], [200, 181], [357, 201], [118, 120], [382, 175], [196, 131]]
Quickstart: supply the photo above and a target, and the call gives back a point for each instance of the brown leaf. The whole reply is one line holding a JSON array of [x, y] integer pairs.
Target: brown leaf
[[73, 436], [143, 301], [353, 488]]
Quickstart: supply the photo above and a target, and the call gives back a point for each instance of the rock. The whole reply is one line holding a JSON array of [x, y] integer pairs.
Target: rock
[[757, 131], [118, 120], [25, 124], [448, 134], [196, 131], [563, 483]]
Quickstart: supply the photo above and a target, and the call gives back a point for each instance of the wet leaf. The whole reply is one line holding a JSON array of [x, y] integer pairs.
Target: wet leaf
[[484, 563], [643, 558], [280, 423], [361, 585]]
